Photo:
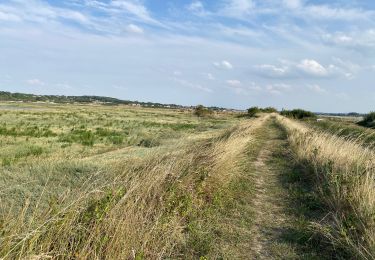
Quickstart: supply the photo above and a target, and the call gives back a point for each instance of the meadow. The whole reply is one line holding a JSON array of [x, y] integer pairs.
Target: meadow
[[96, 181]]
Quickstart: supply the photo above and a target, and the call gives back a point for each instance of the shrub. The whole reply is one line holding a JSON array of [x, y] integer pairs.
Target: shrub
[[297, 113], [202, 111], [269, 110], [368, 120], [252, 111]]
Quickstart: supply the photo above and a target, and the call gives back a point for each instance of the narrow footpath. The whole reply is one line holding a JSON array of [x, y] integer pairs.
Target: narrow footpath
[[280, 227]]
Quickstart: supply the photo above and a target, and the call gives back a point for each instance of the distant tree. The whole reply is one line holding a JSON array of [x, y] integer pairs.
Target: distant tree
[[353, 114], [252, 111], [202, 111]]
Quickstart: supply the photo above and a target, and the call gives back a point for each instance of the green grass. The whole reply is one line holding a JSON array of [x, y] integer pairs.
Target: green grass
[[347, 129]]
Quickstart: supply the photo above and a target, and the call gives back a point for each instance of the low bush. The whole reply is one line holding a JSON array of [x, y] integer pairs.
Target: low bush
[[202, 111], [252, 111], [368, 120], [297, 113]]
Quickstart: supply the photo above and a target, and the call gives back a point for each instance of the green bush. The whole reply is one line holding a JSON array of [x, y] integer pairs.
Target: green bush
[[269, 110], [252, 111], [368, 120], [297, 113]]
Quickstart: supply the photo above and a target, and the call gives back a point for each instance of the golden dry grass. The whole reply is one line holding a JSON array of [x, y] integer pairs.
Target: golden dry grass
[[345, 174]]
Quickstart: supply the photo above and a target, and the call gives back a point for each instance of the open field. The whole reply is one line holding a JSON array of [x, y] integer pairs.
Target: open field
[[119, 182]]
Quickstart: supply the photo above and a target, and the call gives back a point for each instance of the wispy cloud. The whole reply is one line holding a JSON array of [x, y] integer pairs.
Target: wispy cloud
[[197, 8], [307, 67], [223, 65], [236, 8], [278, 88], [313, 68], [234, 83], [132, 28]]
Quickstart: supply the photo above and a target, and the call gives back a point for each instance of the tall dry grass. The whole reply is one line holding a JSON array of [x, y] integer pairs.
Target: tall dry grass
[[345, 174], [143, 211]]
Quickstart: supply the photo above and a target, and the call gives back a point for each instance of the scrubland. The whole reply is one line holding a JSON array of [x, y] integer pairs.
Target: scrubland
[[120, 182]]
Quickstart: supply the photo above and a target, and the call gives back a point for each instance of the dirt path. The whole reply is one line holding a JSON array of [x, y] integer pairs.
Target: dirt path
[[276, 225]]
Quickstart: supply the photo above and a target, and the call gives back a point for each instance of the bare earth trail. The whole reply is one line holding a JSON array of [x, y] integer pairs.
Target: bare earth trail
[[276, 220]]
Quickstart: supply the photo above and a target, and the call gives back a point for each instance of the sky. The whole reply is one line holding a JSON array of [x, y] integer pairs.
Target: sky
[[317, 55]]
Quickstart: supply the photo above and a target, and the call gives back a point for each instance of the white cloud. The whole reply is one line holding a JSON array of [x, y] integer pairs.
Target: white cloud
[[223, 65], [312, 67], [35, 82], [135, 8], [132, 28], [359, 40], [328, 12], [237, 8], [277, 89], [234, 83], [210, 76], [308, 67], [338, 38], [272, 71], [9, 17], [197, 8], [292, 4]]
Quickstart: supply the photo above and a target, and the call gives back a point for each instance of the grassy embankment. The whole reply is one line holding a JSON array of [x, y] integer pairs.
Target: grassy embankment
[[346, 128], [345, 177]]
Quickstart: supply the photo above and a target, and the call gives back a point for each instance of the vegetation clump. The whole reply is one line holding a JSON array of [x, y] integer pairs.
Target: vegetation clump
[[368, 120], [297, 113], [252, 111], [202, 111]]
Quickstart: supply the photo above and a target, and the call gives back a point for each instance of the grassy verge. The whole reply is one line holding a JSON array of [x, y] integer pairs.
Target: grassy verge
[[345, 178], [348, 130]]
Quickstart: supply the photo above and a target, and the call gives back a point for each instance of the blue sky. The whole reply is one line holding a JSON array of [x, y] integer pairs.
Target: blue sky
[[317, 55]]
